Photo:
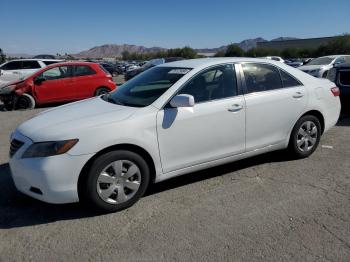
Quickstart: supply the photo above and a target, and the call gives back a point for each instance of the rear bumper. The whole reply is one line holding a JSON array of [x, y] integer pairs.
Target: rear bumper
[[332, 115]]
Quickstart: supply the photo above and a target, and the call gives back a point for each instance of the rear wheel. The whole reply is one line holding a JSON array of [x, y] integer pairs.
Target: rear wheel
[[305, 136], [25, 101], [101, 91], [116, 181]]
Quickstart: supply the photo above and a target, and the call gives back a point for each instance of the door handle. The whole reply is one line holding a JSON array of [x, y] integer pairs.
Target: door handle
[[298, 95], [235, 108]]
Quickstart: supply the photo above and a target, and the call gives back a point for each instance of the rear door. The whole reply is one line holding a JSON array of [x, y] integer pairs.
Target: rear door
[[274, 101], [57, 85], [84, 81]]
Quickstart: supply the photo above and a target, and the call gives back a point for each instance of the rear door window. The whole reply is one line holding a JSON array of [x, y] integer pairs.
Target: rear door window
[[50, 62], [83, 70], [288, 80], [31, 65], [261, 77]]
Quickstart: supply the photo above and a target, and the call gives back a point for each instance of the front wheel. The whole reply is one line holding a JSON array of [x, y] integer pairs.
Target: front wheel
[[305, 136], [25, 101], [116, 181]]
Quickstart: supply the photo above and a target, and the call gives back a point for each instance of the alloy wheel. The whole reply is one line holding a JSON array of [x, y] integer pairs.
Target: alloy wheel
[[307, 136], [118, 182]]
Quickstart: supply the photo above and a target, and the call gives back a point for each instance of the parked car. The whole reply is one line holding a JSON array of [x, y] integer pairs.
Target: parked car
[[340, 75], [275, 58], [170, 120], [293, 62], [44, 56], [110, 68], [154, 62], [319, 67], [58, 82], [25, 67]]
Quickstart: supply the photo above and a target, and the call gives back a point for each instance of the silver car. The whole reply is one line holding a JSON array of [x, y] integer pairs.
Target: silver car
[[319, 67]]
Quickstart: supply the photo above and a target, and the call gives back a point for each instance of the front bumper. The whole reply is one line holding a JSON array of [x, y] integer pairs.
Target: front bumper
[[49, 179]]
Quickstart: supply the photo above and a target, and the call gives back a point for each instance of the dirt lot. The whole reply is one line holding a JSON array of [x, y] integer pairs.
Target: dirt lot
[[264, 208]]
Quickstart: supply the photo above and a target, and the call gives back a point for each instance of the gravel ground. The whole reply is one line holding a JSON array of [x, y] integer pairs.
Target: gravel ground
[[264, 208]]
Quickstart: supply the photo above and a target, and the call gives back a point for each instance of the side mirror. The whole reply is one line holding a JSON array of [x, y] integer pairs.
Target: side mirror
[[38, 80], [182, 100]]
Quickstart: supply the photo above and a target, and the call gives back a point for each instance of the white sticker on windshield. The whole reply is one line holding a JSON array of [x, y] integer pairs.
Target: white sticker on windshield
[[179, 71]]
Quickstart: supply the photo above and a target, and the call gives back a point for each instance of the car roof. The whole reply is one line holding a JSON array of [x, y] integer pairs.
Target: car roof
[[205, 62], [333, 56], [72, 63], [36, 59]]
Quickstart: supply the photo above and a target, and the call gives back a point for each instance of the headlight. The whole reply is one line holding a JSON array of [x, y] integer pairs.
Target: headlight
[[44, 149]]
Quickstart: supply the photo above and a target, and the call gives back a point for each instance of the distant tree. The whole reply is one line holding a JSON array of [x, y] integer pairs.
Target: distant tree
[[2, 56], [220, 53], [234, 50], [339, 45], [125, 55], [260, 52], [290, 53]]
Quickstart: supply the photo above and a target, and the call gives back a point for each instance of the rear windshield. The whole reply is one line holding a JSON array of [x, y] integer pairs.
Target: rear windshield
[[147, 87]]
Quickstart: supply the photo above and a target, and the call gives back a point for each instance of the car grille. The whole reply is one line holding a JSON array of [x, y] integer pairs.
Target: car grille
[[15, 145]]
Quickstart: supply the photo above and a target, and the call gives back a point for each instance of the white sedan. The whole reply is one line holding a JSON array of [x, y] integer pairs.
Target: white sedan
[[171, 120]]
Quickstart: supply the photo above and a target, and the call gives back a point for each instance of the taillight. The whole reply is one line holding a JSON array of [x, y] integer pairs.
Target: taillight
[[335, 91]]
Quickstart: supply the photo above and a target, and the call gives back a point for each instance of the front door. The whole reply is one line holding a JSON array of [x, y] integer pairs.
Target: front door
[[56, 85], [213, 129]]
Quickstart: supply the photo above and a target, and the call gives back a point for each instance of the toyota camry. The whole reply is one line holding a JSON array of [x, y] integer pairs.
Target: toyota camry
[[170, 120]]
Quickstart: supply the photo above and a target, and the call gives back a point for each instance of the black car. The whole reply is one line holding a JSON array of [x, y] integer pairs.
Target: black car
[[110, 68], [150, 64], [340, 75]]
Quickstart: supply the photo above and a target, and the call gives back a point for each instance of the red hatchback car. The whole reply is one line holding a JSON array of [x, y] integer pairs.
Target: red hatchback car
[[68, 81]]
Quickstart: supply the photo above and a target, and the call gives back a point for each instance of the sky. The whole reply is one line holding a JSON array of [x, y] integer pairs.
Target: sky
[[70, 26]]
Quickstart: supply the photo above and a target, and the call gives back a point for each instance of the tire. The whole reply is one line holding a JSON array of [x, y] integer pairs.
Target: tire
[[101, 91], [324, 75], [25, 101], [305, 137], [107, 191]]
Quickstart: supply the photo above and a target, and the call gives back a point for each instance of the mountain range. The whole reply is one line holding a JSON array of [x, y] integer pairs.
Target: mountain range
[[114, 50]]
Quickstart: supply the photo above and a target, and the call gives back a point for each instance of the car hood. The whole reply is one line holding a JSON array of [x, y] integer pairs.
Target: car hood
[[311, 67], [69, 120]]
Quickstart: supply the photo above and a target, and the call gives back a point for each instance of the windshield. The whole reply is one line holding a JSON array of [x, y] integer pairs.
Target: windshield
[[145, 88], [321, 61]]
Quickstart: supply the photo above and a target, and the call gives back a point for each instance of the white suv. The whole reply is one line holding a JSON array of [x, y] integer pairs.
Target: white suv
[[21, 68]]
